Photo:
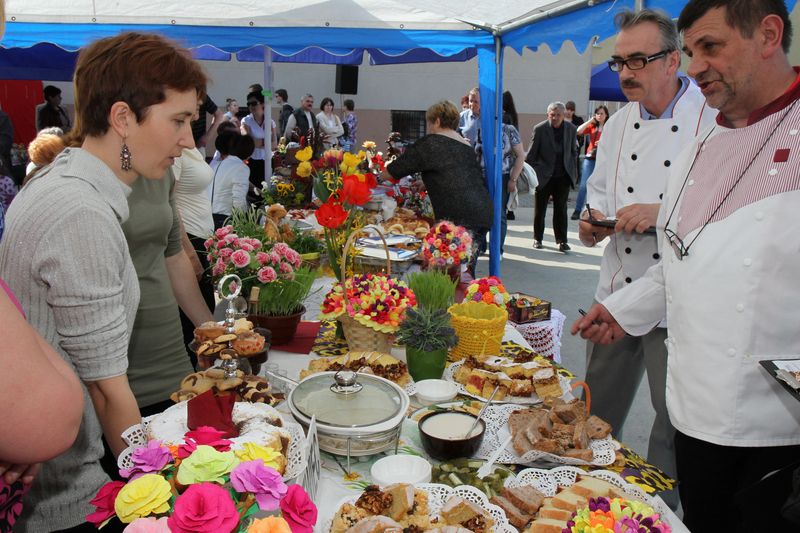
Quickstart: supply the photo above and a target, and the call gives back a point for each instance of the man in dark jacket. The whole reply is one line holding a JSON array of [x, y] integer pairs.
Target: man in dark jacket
[[303, 118], [554, 157], [281, 97], [50, 114]]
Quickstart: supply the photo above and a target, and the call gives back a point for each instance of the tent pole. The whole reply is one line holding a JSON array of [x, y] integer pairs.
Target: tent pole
[[497, 163]]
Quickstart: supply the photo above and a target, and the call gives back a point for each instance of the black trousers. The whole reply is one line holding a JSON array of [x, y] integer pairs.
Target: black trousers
[[558, 188], [721, 487]]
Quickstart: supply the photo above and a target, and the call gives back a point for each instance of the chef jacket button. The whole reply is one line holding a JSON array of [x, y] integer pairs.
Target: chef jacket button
[[674, 128], [747, 261], [667, 163], [793, 132], [627, 250], [731, 351], [740, 307], [656, 256], [634, 157], [690, 182], [630, 189], [628, 279], [636, 125], [661, 196], [772, 171], [760, 216]]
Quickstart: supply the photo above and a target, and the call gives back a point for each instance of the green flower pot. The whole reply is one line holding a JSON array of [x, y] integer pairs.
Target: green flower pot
[[425, 365]]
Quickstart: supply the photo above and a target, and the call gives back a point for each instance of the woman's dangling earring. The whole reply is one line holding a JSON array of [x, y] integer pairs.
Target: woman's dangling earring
[[125, 157]]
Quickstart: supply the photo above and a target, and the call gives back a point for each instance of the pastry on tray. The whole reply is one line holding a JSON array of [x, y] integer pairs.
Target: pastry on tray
[[517, 378], [247, 388], [380, 364], [399, 506], [210, 338]]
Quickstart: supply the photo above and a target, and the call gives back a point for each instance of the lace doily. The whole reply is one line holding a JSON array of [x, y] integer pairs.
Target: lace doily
[[438, 495], [449, 375], [136, 437], [545, 336], [548, 482], [496, 417]]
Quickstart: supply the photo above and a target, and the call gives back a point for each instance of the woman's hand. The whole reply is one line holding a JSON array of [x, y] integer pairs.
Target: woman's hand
[[26, 473], [512, 186]]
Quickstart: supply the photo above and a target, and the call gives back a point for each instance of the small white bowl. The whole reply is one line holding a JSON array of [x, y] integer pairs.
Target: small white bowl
[[400, 469], [430, 391]]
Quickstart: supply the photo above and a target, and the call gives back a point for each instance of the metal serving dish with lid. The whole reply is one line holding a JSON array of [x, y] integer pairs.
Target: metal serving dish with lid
[[357, 414]]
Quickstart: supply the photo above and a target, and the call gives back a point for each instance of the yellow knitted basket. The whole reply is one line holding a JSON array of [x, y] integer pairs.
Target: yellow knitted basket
[[479, 327]]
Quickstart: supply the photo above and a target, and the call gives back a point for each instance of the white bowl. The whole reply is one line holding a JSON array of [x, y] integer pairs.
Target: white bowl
[[400, 469], [431, 391]]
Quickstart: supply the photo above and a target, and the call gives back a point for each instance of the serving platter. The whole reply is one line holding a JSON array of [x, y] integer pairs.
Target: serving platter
[[533, 399]]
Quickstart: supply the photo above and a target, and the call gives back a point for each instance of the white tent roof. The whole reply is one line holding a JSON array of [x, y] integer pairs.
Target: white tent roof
[[393, 14]]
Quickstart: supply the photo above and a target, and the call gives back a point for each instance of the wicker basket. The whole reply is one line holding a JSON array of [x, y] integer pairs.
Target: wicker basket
[[361, 338], [479, 327]]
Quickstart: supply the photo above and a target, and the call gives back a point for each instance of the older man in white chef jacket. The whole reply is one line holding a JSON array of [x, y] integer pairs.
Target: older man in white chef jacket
[[728, 279], [635, 155]]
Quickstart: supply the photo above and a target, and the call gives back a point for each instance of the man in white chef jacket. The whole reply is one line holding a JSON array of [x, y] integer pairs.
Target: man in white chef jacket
[[727, 282], [635, 155]]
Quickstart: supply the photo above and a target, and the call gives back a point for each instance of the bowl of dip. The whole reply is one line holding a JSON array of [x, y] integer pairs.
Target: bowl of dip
[[443, 434]]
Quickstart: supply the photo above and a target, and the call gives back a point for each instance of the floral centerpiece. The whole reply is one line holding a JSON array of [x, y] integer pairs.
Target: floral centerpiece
[[343, 183], [203, 485], [489, 290], [291, 184], [609, 515], [446, 246]]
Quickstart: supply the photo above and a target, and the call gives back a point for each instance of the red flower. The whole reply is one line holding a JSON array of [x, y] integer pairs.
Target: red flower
[[356, 189], [331, 214], [298, 510], [104, 503]]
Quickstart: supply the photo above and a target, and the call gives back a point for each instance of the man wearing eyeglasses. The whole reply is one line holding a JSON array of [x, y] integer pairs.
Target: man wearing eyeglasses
[[728, 278], [639, 144]]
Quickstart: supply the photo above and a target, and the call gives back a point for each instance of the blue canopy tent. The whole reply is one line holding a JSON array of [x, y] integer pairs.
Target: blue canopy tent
[[341, 27], [604, 85]]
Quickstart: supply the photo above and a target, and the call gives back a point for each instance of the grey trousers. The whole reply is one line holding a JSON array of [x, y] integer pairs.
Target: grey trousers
[[614, 373]]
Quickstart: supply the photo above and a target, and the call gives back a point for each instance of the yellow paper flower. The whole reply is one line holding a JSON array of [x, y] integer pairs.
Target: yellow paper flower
[[206, 464], [144, 496], [270, 524], [252, 451], [304, 154]]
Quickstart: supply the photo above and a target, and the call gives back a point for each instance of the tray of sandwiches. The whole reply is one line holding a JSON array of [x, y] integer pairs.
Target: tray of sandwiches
[[557, 432], [544, 501], [416, 508], [520, 381]]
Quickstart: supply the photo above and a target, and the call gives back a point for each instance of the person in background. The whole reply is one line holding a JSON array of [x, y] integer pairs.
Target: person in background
[[591, 129], [27, 383], [255, 125], [202, 132], [6, 142], [469, 121], [225, 126], [464, 102], [231, 112], [50, 114], [302, 120], [451, 175], [330, 126], [81, 291], [349, 140], [727, 280], [511, 117], [231, 176], [554, 156], [282, 99], [47, 144], [576, 120]]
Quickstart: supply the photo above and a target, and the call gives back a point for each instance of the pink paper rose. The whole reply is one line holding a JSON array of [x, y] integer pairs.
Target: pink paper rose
[[240, 258], [204, 435], [149, 524], [104, 502], [148, 459], [264, 482], [298, 510], [204, 507]]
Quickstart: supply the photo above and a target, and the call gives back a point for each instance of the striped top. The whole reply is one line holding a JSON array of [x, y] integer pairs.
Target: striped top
[[65, 257]]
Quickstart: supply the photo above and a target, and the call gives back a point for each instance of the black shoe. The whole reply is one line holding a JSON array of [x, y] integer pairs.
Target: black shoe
[[564, 247], [538, 245], [576, 216], [511, 216]]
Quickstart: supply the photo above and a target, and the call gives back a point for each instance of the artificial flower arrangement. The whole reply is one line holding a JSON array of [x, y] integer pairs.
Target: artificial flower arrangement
[[275, 268], [446, 245], [373, 300], [489, 290], [604, 515], [203, 485], [342, 183]]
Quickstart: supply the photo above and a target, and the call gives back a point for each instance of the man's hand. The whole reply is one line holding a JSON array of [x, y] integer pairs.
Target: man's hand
[[598, 326], [591, 235], [637, 217]]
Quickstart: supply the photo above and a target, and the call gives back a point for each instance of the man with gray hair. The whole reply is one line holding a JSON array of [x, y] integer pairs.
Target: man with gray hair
[[638, 146], [302, 119], [554, 156]]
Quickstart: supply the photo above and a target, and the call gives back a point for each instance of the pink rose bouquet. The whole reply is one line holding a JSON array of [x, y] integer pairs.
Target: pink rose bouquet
[[446, 245]]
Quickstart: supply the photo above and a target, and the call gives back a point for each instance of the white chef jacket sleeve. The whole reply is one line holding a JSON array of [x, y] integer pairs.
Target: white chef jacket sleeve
[[640, 306]]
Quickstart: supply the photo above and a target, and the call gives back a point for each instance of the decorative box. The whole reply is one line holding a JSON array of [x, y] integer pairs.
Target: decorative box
[[523, 309]]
